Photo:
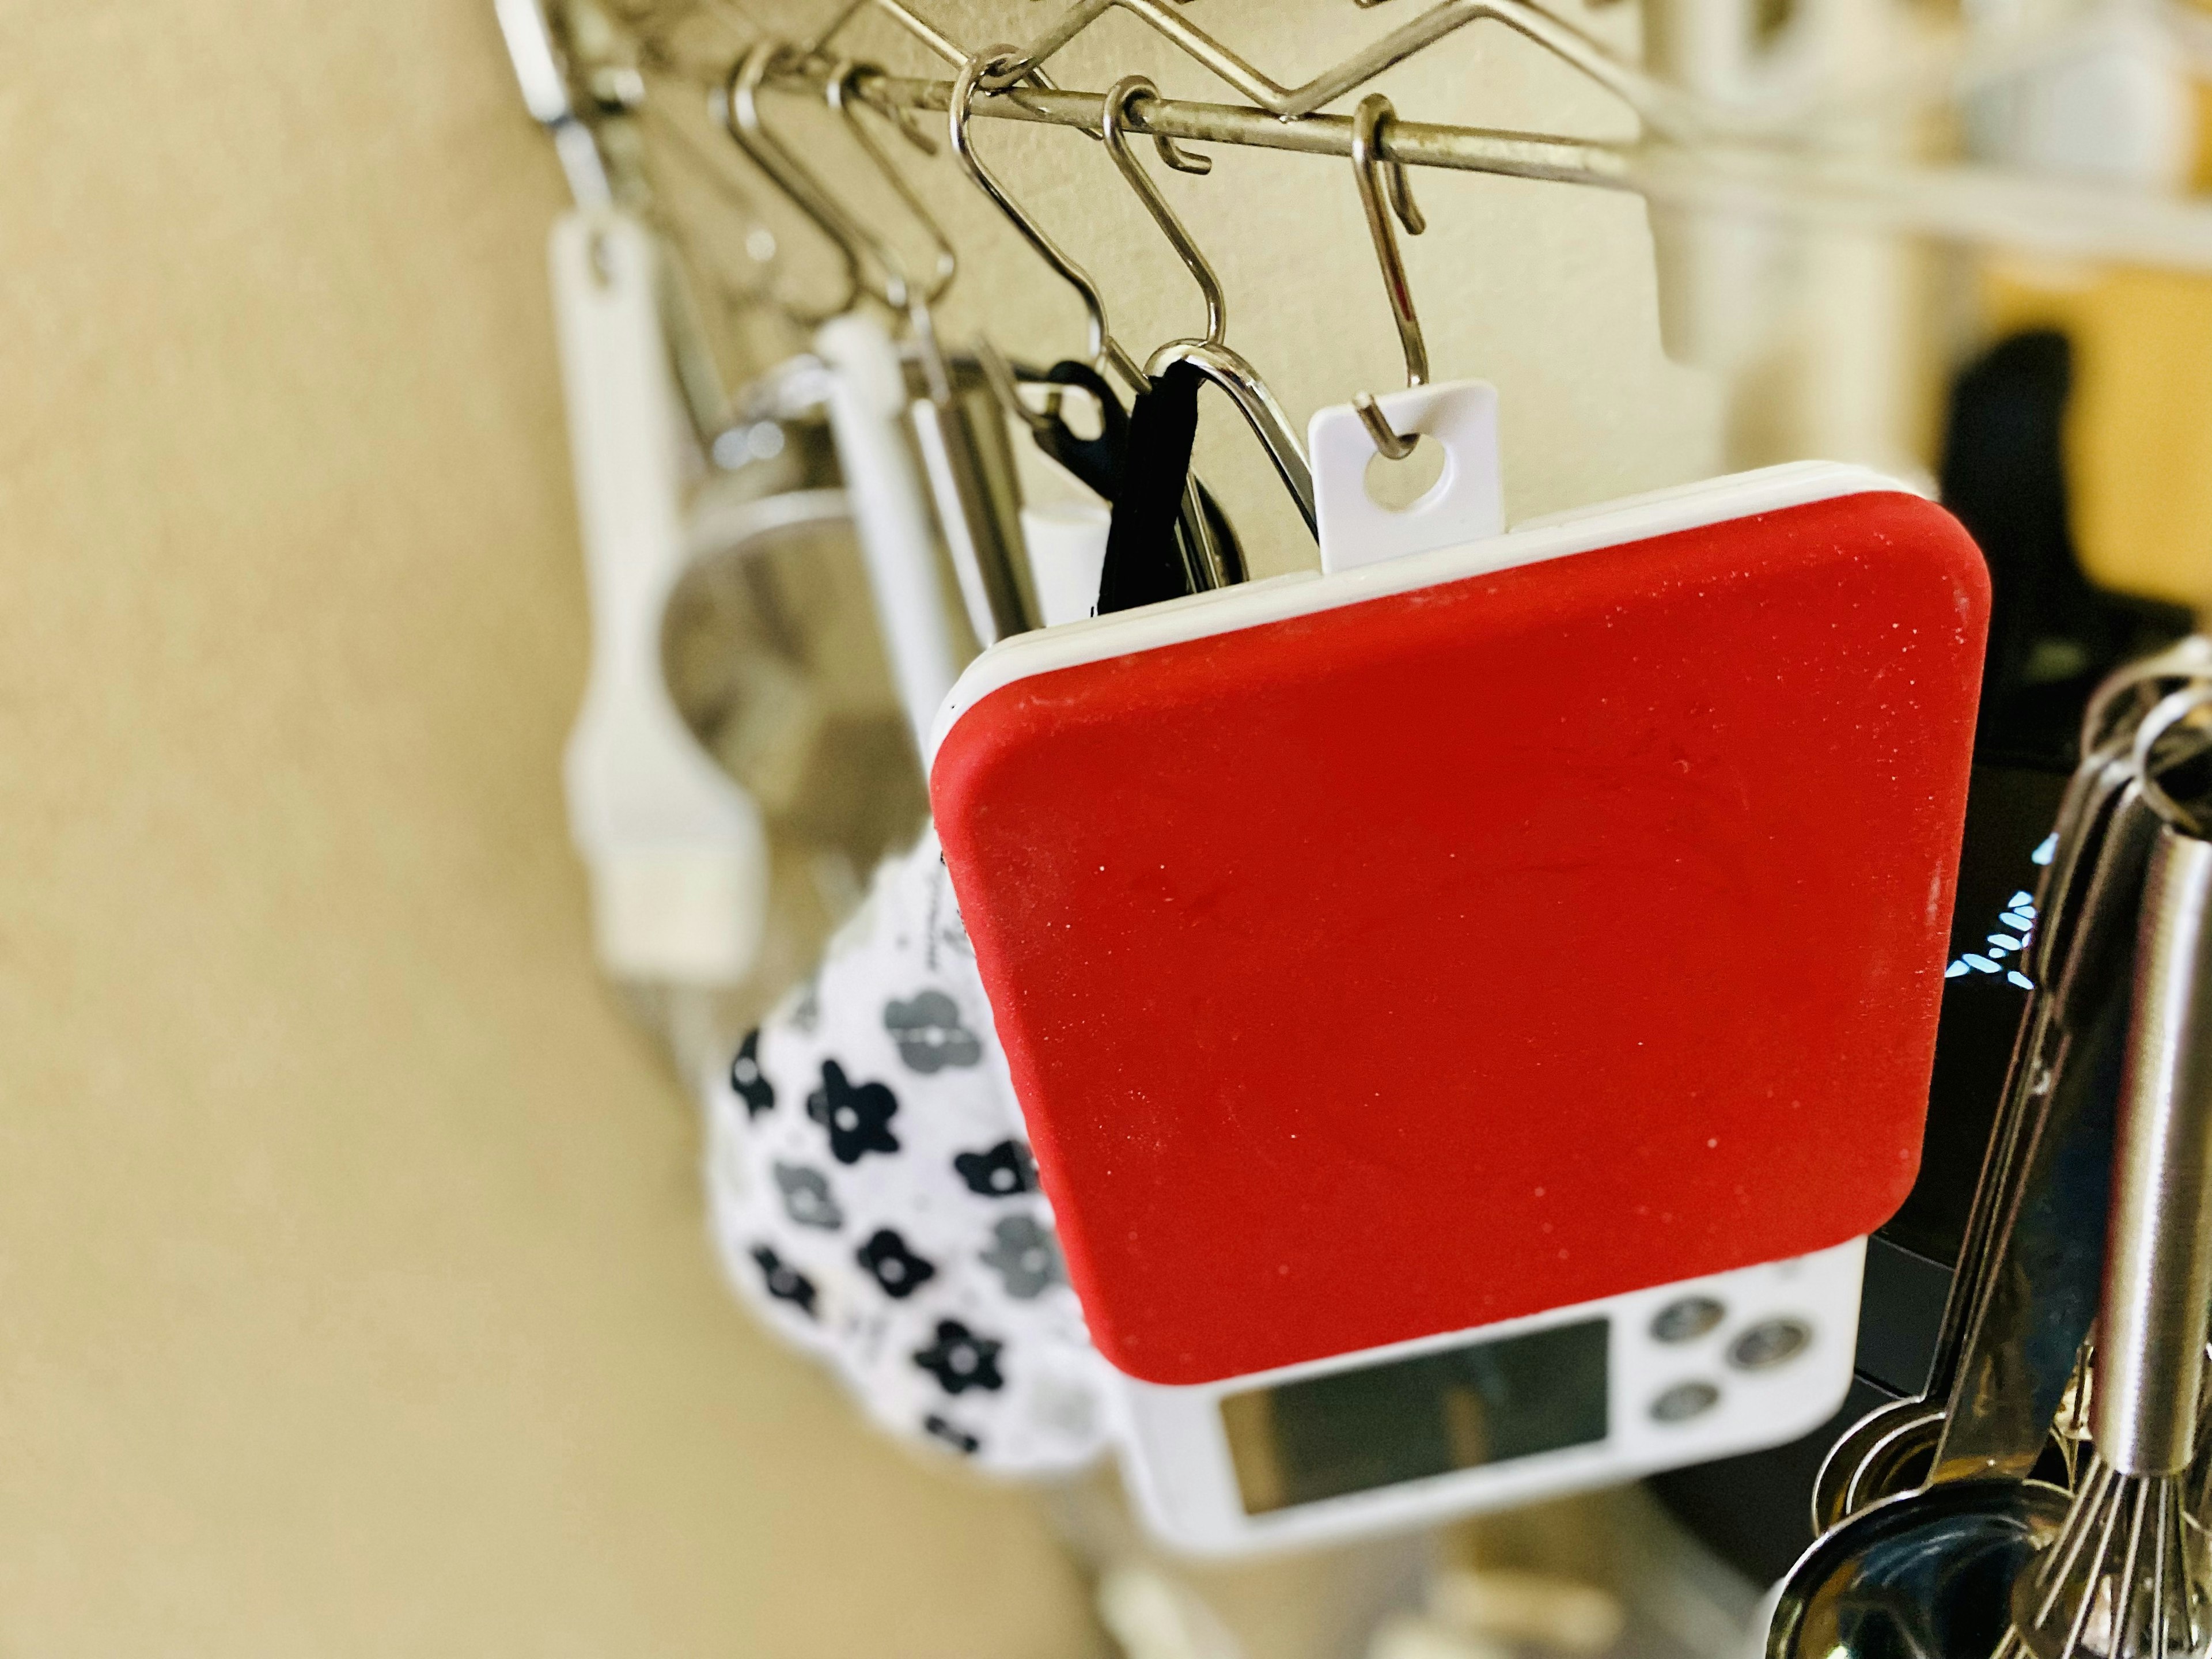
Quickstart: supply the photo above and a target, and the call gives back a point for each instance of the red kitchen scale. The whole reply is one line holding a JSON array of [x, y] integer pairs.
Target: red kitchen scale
[[1470, 1007]]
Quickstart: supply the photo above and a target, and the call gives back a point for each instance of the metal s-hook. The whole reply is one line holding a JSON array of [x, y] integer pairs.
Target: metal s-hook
[[1213, 561], [1116, 115], [1249, 392], [1379, 176], [1104, 352], [1112, 122], [842, 87], [741, 116], [1210, 358]]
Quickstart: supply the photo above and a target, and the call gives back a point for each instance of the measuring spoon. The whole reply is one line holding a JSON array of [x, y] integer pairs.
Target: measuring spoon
[[1884, 1451], [1923, 1574], [2041, 1294]]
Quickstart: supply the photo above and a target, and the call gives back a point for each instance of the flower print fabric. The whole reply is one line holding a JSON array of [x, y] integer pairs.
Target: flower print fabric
[[1004, 1171], [859, 1120], [929, 1034], [874, 1203]]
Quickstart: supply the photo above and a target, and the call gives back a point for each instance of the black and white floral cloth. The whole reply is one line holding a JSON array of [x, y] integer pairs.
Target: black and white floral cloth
[[874, 1202]]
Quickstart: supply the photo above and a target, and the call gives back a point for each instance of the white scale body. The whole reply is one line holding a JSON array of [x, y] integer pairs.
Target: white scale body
[[1675, 1374]]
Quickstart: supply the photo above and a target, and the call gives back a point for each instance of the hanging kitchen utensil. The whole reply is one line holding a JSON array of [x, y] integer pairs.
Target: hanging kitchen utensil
[[1203, 550], [1441, 961], [919, 608], [874, 1204], [1888, 1451], [2121, 1581], [1938, 1571], [2040, 1283], [1892, 1448], [1922, 1573], [676, 850]]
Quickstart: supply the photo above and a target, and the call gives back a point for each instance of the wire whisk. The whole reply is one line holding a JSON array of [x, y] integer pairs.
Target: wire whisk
[[2124, 1579], [2119, 1583]]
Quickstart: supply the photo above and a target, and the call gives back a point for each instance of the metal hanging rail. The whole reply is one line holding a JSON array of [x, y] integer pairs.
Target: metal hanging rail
[[1980, 205], [1521, 156], [1695, 154]]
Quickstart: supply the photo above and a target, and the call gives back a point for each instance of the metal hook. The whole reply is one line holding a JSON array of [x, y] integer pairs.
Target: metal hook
[[742, 117], [1104, 350], [1379, 176], [2186, 658], [1113, 123], [842, 87], [1225, 368], [2176, 709], [1118, 114], [1212, 560], [1210, 356]]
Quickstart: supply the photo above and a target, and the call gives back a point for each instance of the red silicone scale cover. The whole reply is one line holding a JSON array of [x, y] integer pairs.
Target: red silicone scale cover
[[1531, 936]]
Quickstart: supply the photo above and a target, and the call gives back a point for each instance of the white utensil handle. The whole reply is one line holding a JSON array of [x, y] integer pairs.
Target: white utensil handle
[[676, 851], [898, 536]]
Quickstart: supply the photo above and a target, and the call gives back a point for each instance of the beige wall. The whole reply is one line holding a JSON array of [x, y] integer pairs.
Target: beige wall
[[352, 1278]]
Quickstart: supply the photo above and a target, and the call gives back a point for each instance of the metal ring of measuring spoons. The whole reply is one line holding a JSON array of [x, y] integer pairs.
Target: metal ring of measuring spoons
[[2186, 658], [2176, 710], [1379, 177], [741, 117]]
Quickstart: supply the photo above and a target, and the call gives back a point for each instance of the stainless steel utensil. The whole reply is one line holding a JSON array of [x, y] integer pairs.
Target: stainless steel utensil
[[967, 457], [1932, 1573], [2121, 1581], [1923, 1575], [2041, 1287], [1887, 1450]]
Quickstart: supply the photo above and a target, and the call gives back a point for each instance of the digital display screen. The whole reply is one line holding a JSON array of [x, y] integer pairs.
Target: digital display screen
[[1461, 1408]]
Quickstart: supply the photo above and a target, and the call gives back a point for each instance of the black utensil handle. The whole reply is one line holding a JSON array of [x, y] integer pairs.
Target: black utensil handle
[[1144, 564]]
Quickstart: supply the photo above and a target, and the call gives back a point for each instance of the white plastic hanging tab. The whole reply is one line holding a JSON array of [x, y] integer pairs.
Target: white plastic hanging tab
[[677, 855], [898, 537], [1466, 503]]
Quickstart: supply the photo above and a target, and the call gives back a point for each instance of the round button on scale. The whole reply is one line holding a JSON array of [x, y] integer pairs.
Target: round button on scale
[[1686, 1320], [1685, 1401], [1770, 1342]]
